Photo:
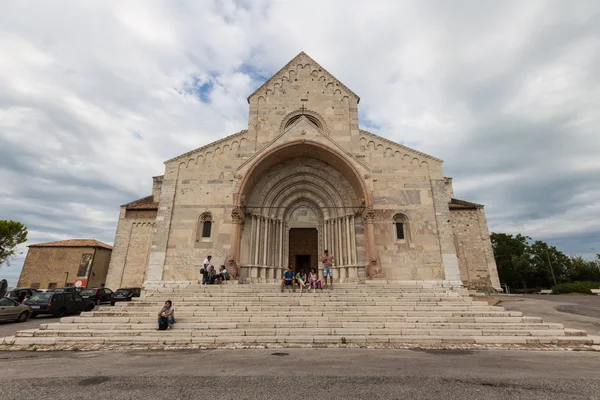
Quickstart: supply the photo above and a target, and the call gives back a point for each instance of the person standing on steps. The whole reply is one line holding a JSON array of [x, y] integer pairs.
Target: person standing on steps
[[205, 269], [328, 260]]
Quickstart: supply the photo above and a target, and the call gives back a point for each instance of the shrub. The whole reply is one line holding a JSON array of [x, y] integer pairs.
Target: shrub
[[576, 287]]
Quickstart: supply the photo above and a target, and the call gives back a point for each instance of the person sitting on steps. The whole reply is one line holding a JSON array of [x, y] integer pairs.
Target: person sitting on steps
[[222, 275], [212, 275], [288, 279], [301, 280], [167, 313]]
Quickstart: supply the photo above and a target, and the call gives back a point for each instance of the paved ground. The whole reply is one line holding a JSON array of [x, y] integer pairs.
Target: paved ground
[[577, 312], [302, 374], [10, 328]]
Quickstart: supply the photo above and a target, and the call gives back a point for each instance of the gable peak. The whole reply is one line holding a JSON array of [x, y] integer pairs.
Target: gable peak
[[302, 60]]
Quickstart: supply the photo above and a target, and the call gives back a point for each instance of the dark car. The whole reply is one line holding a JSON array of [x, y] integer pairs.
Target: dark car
[[97, 295], [58, 304], [125, 294], [18, 294]]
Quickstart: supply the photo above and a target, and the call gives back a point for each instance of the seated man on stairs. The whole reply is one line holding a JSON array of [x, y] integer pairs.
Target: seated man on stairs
[[288, 279]]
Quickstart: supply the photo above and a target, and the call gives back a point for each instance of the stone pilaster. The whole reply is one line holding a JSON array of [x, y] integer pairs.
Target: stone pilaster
[[444, 227]]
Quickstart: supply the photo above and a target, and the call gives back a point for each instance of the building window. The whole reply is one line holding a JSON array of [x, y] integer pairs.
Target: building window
[[52, 285], [206, 227], [69, 284], [35, 285], [401, 231], [205, 224]]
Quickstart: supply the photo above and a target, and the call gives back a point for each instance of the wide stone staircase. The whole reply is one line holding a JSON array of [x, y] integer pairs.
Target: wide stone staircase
[[374, 313]]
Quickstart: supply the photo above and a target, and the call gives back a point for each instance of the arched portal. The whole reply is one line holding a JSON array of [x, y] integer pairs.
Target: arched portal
[[305, 192]]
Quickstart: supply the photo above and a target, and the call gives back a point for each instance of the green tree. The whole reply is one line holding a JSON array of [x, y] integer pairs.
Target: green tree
[[581, 269], [12, 234], [545, 260], [513, 258]]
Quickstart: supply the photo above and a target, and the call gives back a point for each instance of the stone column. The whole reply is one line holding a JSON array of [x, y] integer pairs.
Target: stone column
[[340, 241], [373, 268], [353, 241], [252, 238], [256, 244], [325, 235], [237, 219], [348, 245]]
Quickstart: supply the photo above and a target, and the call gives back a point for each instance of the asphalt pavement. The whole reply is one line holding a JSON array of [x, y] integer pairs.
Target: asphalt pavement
[[301, 374], [10, 328], [576, 312]]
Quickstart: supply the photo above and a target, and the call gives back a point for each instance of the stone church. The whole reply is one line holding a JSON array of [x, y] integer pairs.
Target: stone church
[[302, 178]]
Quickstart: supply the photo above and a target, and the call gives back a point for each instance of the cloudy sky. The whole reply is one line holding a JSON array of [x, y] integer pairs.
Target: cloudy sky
[[96, 95]]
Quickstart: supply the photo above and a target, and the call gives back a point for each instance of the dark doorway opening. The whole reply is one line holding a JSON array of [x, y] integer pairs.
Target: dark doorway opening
[[303, 263], [303, 248]]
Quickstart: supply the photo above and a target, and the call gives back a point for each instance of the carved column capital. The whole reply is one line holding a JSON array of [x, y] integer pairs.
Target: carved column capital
[[237, 215], [369, 215]]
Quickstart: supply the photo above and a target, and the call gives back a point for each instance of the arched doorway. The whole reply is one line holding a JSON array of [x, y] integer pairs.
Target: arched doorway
[[302, 185]]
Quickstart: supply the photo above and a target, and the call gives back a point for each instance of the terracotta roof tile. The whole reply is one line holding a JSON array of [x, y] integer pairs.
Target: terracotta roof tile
[[145, 203], [456, 204], [74, 243]]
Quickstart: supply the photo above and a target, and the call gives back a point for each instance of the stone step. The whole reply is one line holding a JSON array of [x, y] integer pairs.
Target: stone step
[[275, 319], [166, 340], [306, 324], [302, 313], [293, 332]]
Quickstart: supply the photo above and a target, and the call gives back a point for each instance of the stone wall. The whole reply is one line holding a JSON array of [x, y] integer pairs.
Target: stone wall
[[131, 248], [475, 254], [99, 270]]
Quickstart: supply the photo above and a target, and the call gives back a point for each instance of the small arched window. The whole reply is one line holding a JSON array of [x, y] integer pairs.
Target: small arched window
[[401, 230], [205, 223]]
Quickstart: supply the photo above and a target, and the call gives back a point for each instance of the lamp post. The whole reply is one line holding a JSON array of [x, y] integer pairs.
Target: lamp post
[[66, 278], [552, 270]]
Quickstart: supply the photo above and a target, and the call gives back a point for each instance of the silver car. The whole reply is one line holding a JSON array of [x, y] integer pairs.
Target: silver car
[[10, 310]]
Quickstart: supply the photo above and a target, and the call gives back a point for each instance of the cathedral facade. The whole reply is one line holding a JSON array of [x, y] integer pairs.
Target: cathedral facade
[[302, 178]]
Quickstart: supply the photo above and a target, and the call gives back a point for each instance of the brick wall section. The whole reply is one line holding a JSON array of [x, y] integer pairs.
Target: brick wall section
[[475, 254], [46, 265]]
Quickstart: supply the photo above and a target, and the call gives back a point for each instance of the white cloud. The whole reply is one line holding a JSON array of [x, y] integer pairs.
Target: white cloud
[[94, 96]]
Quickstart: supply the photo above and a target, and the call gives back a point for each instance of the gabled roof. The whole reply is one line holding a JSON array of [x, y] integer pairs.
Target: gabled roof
[[367, 133], [74, 243], [302, 56], [145, 203], [456, 204], [240, 133]]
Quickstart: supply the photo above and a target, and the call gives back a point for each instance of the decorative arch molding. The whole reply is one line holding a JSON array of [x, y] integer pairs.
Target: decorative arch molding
[[313, 117], [302, 148]]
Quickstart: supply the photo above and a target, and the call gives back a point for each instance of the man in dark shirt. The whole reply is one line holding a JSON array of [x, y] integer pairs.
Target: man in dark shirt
[[288, 279]]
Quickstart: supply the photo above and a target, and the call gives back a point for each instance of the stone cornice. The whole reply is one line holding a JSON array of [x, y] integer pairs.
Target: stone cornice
[[367, 133]]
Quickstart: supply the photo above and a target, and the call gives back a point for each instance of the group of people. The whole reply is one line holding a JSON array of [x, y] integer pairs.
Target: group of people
[[210, 275], [166, 316], [310, 281]]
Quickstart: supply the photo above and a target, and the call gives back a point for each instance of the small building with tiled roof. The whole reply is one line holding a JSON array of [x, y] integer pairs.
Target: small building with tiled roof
[[72, 262]]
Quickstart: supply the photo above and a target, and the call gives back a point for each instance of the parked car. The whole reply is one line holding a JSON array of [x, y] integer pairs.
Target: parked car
[[125, 294], [10, 310], [58, 304], [18, 294], [97, 295], [68, 290]]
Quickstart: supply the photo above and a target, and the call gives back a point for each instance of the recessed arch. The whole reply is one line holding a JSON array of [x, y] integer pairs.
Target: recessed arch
[[309, 149]]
